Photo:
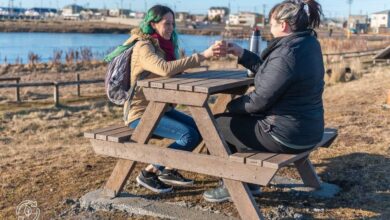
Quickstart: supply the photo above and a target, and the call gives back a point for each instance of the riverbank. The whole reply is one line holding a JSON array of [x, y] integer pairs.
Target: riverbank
[[61, 26]]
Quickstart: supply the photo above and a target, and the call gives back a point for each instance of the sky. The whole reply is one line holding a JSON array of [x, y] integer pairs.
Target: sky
[[331, 8]]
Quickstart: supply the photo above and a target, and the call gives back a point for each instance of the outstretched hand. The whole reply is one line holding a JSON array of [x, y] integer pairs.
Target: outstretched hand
[[235, 49], [218, 49]]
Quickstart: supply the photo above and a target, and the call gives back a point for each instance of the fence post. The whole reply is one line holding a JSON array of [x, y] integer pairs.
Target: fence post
[[78, 84], [56, 94], [17, 90]]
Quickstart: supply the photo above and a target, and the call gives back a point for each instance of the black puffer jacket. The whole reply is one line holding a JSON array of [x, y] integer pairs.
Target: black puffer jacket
[[288, 89]]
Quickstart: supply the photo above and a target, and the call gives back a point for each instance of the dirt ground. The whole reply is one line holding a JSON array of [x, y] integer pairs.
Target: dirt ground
[[44, 157]]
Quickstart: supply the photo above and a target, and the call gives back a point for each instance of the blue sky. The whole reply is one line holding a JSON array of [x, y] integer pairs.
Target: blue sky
[[338, 8]]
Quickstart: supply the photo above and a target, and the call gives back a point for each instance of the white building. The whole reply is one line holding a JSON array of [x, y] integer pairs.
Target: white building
[[221, 12], [233, 20], [72, 12], [181, 17], [380, 19], [245, 19]]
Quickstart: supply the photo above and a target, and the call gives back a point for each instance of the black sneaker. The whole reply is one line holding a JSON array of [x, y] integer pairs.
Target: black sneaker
[[150, 181], [173, 177]]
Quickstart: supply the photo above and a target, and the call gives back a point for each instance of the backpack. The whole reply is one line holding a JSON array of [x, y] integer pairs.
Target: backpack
[[117, 80]]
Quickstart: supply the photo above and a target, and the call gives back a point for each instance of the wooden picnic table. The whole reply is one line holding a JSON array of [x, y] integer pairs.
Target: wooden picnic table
[[194, 90]]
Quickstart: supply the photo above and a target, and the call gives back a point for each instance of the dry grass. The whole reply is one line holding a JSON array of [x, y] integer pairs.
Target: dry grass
[[333, 45], [44, 157]]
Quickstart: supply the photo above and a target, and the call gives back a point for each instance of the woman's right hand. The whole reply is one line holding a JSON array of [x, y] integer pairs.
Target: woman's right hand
[[235, 49]]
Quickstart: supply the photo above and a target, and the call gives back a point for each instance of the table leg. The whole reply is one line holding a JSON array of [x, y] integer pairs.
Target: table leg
[[218, 107], [308, 173], [239, 192], [142, 134]]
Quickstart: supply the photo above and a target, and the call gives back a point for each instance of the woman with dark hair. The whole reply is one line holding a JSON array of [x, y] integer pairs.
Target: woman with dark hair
[[284, 114], [156, 54]]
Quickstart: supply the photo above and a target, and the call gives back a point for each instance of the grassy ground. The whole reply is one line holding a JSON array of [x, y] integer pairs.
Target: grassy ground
[[43, 156]]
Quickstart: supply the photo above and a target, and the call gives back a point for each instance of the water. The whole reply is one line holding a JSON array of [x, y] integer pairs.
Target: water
[[17, 46]]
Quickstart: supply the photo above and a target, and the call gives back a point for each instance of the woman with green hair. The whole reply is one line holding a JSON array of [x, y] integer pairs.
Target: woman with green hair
[[156, 54]]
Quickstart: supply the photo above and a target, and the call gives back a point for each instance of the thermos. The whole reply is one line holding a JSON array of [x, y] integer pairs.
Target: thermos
[[254, 46]]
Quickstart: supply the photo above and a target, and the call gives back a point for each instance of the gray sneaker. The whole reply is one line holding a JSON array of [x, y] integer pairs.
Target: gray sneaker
[[221, 194]]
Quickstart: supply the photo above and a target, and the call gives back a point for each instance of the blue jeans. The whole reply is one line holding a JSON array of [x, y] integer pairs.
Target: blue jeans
[[177, 126]]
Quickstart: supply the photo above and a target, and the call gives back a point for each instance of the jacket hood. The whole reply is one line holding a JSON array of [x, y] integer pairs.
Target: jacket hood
[[138, 35]]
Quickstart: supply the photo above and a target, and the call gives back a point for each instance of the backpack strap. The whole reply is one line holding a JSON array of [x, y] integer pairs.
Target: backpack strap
[[131, 93]]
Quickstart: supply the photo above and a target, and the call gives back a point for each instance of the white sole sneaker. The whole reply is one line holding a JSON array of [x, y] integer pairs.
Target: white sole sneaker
[[176, 183], [217, 200], [141, 183]]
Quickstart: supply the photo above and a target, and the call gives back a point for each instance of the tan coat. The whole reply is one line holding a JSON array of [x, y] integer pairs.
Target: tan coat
[[149, 57]]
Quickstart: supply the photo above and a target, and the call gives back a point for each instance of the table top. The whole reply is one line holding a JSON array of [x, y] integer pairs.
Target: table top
[[213, 81]]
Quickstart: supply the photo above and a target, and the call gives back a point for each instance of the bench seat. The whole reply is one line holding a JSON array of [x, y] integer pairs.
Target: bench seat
[[256, 167]]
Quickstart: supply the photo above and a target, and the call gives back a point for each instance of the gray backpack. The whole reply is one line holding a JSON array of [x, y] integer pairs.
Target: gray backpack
[[117, 80]]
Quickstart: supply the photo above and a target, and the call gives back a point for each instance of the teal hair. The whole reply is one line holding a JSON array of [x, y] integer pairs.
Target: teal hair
[[154, 15]]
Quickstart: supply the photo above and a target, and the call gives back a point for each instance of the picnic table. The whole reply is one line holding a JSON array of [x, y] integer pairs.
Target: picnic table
[[193, 90]]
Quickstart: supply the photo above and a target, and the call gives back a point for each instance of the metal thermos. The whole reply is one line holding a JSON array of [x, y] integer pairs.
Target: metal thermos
[[254, 46]]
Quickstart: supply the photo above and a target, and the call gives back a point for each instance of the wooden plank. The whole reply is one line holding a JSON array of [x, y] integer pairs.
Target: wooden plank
[[223, 85], [215, 78], [307, 172], [243, 199], [246, 205], [142, 133], [218, 107], [121, 137], [329, 136], [199, 163], [104, 135], [258, 158], [241, 157], [207, 128], [175, 85], [118, 177], [147, 82], [188, 78], [92, 133], [282, 160], [196, 75], [152, 115], [177, 97], [9, 79]]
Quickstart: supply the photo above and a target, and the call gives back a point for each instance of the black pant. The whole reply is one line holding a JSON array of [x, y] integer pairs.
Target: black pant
[[244, 133]]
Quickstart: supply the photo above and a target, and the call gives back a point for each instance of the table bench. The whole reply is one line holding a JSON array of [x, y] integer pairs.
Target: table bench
[[193, 90]]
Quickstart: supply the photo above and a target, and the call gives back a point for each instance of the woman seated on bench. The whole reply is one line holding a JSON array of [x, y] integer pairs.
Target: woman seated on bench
[[156, 52], [284, 114]]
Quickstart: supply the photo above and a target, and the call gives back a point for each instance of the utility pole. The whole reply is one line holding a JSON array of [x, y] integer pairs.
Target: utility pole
[[350, 5], [264, 7]]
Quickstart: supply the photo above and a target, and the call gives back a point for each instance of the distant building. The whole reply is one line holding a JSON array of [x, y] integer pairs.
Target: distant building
[[181, 17], [198, 18], [72, 9], [233, 19], [91, 13], [332, 23], [119, 12], [358, 22], [138, 15], [245, 19], [12, 11], [219, 14], [380, 20], [41, 12], [72, 12]]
